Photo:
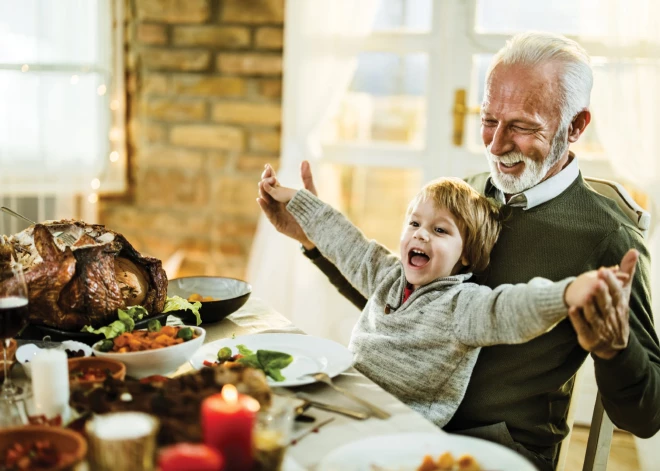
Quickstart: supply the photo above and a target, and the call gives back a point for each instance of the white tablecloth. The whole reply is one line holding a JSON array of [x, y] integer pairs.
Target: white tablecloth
[[257, 317]]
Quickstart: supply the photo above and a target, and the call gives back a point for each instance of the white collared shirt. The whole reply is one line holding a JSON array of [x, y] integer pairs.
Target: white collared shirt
[[544, 191]]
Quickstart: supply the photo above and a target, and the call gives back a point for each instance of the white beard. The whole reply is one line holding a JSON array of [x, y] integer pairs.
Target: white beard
[[533, 171]]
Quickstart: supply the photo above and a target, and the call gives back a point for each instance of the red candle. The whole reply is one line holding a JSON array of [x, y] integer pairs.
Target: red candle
[[227, 423]]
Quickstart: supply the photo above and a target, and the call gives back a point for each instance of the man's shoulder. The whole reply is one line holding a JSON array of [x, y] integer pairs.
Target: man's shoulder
[[604, 209], [479, 181]]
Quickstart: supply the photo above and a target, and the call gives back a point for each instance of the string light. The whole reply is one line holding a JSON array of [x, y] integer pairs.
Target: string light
[[96, 184], [25, 68], [101, 90], [114, 156], [74, 79], [114, 105], [93, 198], [115, 134]]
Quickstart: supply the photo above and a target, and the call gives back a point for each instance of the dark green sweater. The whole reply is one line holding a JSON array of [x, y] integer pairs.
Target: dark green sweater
[[527, 387]]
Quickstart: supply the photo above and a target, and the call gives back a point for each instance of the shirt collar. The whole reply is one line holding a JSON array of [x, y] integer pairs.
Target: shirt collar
[[541, 193]]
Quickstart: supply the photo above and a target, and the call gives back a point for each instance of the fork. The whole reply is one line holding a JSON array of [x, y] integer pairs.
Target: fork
[[376, 411], [67, 238]]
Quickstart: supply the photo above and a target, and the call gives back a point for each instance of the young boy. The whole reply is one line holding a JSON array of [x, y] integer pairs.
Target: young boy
[[419, 335]]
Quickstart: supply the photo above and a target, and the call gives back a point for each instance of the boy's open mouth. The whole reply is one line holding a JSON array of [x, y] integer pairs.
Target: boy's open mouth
[[417, 258]]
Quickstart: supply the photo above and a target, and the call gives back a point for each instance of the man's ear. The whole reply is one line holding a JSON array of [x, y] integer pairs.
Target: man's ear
[[579, 124]]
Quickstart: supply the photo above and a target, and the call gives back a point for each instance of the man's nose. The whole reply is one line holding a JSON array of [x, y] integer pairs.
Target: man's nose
[[421, 234], [501, 142]]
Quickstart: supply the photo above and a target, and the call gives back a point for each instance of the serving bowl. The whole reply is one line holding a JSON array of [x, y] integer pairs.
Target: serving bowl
[[156, 362], [230, 295], [26, 352], [71, 445], [117, 370]]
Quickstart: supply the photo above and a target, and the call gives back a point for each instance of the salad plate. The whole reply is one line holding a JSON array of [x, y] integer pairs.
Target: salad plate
[[309, 355]]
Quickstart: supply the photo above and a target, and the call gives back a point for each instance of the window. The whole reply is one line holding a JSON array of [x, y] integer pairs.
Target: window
[[378, 133], [61, 102]]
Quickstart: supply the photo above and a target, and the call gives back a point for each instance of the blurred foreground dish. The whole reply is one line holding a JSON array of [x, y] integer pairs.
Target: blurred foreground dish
[[176, 402]]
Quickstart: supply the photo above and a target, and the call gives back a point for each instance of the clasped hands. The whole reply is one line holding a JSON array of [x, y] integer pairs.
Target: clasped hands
[[598, 300]]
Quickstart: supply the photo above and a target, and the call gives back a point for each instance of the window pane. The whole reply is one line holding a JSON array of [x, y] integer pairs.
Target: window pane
[[404, 15], [588, 144], [385, 102], [52, 32], [572, 17], [376, 199], [53, 120]]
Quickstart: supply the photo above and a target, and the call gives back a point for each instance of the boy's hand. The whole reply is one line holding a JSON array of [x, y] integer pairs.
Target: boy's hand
[[279, 193], [589, 285], [276, 212]]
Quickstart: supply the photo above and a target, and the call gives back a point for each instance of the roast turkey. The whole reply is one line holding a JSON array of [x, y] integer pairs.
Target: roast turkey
[[71, 286]]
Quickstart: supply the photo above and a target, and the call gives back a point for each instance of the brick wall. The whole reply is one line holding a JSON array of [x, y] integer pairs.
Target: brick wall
[[204, 81]]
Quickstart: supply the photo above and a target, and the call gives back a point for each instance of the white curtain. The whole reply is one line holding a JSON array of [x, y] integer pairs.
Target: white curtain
[[626, 104], [322, 42], [55, 63]]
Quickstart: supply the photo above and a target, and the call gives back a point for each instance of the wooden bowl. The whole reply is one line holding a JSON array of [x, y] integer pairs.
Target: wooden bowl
[[11, 357], [117, 369], [70, 444]]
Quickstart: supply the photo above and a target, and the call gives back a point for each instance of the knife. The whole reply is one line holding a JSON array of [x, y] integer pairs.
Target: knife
[[332, 408]]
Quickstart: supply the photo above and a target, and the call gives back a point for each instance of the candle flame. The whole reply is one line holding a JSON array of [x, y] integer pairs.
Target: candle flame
[[230, 394]]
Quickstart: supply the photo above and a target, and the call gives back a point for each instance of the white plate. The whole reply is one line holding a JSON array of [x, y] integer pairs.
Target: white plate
[[310, 355], [405, 451]]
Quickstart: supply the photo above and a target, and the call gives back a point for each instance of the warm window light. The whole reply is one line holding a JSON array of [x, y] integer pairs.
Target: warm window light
[[25, 68], [114, 105], [115, 134], [96, 183], [74, 79], [101, 90], [114, 156], [93, 198]]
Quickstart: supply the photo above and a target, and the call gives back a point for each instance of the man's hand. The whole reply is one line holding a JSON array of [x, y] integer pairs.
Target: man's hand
[[603, 324], [276, 211]]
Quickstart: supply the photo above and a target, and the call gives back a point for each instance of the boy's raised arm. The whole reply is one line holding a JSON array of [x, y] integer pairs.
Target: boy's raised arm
[[363, 262], [517, 313]]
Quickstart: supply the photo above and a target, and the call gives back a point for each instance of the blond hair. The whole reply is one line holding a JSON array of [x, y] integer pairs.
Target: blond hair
[[477, 217]]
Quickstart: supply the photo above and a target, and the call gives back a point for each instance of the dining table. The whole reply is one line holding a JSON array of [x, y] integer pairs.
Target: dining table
[[329, 431], [311, 441]]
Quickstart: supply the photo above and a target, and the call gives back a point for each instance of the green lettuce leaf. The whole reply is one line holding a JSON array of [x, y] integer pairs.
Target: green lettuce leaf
[[270, 362], [177, 303], [273, 362], [249, 357], [125, 323]]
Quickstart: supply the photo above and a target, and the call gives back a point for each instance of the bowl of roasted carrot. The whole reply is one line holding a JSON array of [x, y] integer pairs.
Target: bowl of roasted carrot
[[158, 350]]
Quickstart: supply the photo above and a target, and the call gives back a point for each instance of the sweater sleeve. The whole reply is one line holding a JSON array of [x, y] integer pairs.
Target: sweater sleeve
[[364, 263], [508, 314], [335, 277], [629, 383]]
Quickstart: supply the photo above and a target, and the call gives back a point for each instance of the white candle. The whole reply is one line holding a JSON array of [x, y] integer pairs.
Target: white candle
[[50, 383], [123, 425]]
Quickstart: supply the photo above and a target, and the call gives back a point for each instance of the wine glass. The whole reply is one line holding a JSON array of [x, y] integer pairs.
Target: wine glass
[[13, 318]]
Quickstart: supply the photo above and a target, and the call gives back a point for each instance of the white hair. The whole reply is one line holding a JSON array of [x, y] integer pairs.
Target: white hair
[[534, 48]]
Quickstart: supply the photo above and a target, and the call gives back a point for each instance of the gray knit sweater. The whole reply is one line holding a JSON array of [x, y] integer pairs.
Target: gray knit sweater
[[423, 351]]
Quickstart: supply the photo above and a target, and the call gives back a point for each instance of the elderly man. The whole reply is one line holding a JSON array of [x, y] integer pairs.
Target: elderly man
[[535, 105]]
